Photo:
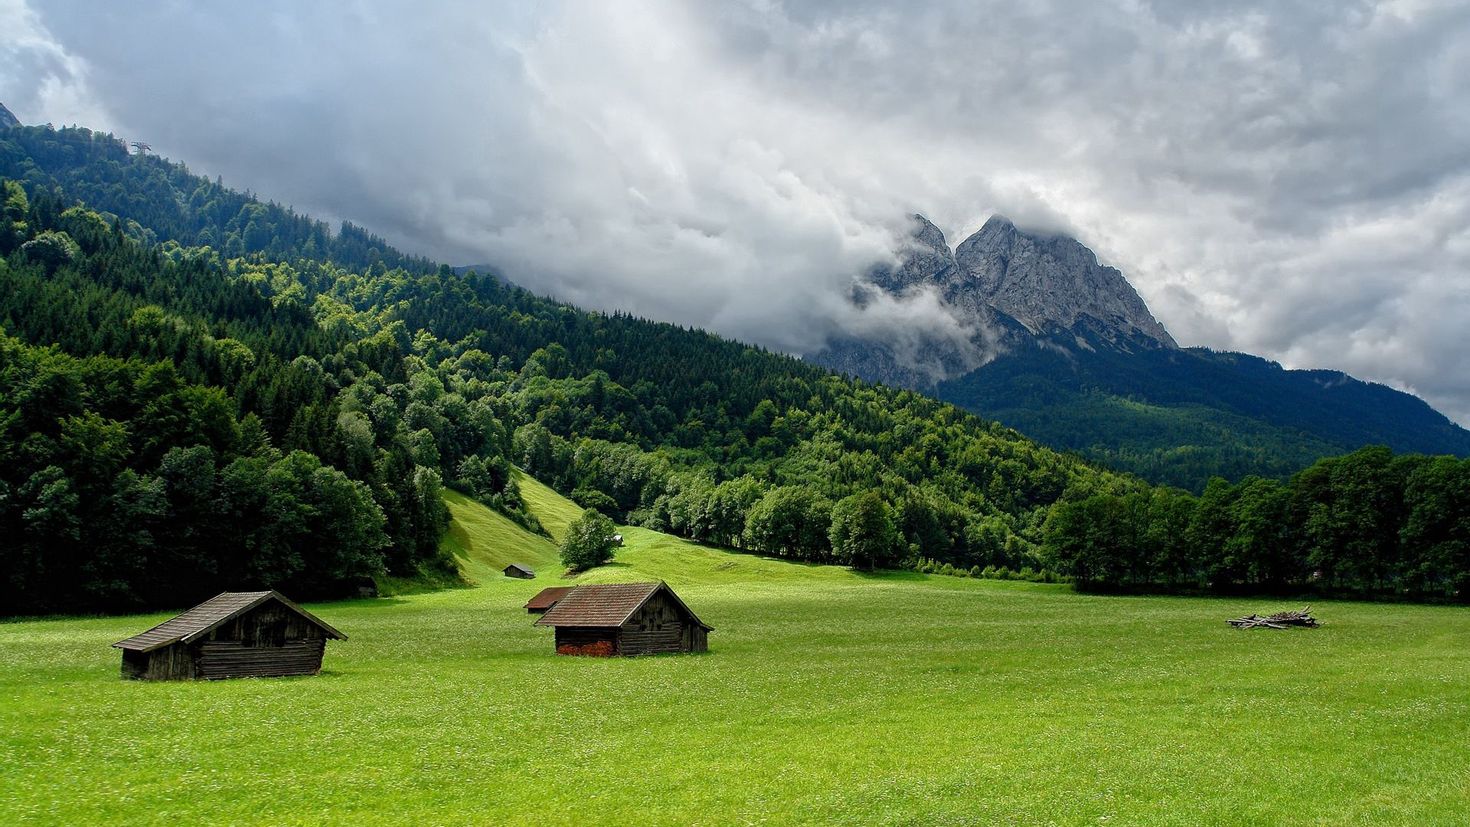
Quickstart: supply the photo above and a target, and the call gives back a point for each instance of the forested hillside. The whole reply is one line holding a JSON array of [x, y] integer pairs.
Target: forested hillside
[[163, 202], [199, 392], [1182, 416], [236, 404]]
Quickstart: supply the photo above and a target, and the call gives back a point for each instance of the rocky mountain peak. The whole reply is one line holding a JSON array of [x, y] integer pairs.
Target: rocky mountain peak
[[1003, 287], [1050, 284], [927, 236], [996, 226], [923, 257], [7, 120]]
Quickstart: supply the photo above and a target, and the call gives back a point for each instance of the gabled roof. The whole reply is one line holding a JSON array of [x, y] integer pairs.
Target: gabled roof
[[520, 568], [548, 597], [607, 606], [204, 618]]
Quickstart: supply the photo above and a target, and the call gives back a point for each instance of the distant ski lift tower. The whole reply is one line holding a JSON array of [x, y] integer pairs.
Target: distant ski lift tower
[[141, 148]]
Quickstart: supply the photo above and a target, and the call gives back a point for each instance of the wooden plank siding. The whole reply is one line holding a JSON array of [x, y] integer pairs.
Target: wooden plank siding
[[234, 659], [658, 627], [174, 662], [271, 624]]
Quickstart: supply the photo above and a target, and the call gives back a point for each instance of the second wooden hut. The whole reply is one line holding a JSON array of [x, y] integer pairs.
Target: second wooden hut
[[625, 619]]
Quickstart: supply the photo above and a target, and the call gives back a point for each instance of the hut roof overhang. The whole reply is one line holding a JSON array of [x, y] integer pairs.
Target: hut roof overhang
[[608, 606], [209, 615], [520, 568], [548, 597]]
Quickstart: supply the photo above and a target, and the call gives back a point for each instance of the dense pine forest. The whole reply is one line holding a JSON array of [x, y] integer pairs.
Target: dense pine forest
[[201, 391]]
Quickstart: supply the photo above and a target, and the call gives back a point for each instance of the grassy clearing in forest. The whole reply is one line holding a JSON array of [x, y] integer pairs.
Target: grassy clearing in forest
[[827, 696]]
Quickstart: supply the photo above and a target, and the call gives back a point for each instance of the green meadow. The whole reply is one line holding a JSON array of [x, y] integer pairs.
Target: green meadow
[[827, 697]]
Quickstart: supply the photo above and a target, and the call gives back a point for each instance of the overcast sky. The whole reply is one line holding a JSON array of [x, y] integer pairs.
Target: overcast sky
[[1285, 178]]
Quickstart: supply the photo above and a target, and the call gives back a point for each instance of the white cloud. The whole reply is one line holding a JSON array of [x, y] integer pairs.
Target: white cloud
[[1283, 178], [42, 81]]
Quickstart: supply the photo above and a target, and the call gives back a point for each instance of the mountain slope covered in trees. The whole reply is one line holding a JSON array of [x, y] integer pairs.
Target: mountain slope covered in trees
[[283, 409], [336, 382], [1181, 416]]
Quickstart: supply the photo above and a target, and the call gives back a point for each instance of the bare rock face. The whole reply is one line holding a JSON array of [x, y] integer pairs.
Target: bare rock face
[[899, 365], [7, 120], [924, 259], [1050, 284], [1008, 288]]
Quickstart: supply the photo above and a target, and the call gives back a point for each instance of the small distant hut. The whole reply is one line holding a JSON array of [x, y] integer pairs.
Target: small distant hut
[[617, 540], [519, 571], [546, 598], [625, 619], [233, 635]]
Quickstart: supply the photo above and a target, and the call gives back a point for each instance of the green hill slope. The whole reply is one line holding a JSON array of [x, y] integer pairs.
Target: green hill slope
[[553, 510], [484, 542], [215, 382]]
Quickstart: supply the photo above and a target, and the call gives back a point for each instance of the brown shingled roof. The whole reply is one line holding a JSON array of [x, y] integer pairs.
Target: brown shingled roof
[[547, 597], [606, 606], [199, 620]]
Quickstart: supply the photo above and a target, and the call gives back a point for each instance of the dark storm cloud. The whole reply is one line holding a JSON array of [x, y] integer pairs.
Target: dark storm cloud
[[1291, 179]]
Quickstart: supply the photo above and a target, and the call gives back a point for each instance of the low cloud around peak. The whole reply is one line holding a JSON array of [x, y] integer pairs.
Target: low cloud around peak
[[733, 165]]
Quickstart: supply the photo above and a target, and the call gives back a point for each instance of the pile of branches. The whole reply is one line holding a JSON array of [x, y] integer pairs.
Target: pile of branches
[[1280, 620]]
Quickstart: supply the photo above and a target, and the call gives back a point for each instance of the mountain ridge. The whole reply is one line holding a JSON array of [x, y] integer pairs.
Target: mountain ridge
[[1064, 349], [1006, 287]]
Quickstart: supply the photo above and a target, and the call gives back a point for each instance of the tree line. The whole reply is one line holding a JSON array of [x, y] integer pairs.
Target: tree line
[[162, 201], [1367, 523]]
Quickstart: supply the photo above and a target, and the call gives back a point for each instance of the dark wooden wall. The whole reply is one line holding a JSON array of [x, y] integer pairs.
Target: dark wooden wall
[[659, 627], [233, 659], [170, 663], [270, 624]]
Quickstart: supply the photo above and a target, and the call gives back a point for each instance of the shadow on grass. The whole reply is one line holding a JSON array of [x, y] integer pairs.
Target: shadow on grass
[[1295, 593], [611, 564], [384, 602]]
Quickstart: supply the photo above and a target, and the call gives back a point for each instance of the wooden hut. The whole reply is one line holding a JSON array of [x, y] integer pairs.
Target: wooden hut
[[625, 619], [519, 571], [234, 635], [546, 598]]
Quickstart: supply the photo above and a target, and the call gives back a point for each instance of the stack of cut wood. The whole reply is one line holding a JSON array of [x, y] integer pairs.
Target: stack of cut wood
[[1280, 620]]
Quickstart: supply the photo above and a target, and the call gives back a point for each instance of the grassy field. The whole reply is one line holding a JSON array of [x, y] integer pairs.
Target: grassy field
[[827, 696]]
